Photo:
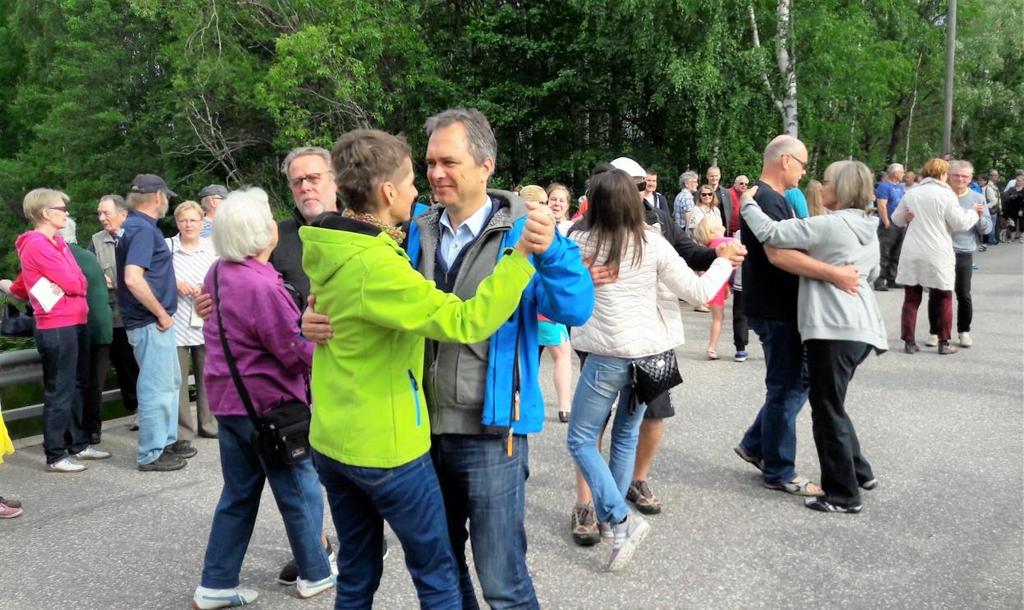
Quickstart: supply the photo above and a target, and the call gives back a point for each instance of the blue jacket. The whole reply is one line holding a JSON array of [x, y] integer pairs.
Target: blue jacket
[[561, 290]]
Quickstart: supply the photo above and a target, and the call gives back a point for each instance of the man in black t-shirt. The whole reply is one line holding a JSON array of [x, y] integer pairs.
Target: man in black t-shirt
[[770, 287]]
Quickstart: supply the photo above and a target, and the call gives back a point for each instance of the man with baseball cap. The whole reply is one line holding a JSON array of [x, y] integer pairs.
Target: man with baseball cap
[[148, 299], [209, 198]]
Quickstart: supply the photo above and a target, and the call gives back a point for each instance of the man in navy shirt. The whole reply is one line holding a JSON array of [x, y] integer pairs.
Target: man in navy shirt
[[890, 237], [148, 298], [771, 286]]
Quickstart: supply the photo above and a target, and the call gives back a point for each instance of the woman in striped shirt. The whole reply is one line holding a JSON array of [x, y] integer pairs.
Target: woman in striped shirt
[[193, 256]]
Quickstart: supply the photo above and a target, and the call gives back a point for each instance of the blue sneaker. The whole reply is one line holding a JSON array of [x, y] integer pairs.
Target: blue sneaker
[[741, 356]]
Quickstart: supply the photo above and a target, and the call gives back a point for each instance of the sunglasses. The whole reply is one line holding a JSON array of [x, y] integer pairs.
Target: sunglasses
[[641, 186], [707, 194], [742, 183], [62, 208]]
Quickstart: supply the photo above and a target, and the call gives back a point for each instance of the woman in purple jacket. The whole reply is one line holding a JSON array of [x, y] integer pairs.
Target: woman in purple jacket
[[260, 321]]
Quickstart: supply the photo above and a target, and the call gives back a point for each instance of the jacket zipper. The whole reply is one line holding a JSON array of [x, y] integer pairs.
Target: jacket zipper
[[415, 397]]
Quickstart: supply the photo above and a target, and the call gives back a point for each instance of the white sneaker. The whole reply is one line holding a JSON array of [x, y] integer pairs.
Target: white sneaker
[[309, 588], [965, 340], [605, 530], [628, 536], [67, 464], [932, 340], [92, 453], [206, 599]]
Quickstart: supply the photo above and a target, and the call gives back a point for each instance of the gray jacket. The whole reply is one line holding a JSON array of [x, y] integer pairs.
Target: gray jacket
[[103, 245], [455, 374], [840, 238]]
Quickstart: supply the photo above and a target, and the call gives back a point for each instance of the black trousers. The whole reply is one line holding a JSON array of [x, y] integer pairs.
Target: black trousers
[[92, 399], [890, 243], [831, 365], [962, 287], [740, 332], [123, 357]]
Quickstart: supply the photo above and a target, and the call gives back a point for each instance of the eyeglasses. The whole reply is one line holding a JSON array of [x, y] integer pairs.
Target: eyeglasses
[[62, 208], [802, 163], [742, 183], [312, 179]]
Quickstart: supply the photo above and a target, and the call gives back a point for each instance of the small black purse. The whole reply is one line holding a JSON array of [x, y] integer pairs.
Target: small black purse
[[655, 375], [16, 323]]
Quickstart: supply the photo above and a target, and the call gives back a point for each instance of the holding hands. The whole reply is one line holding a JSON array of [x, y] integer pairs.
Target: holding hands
[[539, 230]]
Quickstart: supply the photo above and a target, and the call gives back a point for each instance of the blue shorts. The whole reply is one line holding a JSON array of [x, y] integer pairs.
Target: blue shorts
[[552, 333]]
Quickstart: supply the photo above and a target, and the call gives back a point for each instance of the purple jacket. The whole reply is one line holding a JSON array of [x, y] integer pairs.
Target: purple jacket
[[263, 333]]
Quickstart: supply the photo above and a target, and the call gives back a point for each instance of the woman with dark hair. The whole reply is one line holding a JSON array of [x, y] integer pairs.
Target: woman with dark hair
[[631, 320]]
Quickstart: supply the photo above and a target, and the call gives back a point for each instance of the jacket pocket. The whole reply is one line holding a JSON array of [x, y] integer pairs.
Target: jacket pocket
[[415, 397]]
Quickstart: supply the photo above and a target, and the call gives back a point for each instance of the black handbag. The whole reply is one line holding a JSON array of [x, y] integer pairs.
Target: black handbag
[[655, 375], [282, 434], [16, 323]]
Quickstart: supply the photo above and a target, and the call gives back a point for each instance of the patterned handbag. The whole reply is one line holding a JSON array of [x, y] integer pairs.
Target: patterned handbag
[[655, 375]]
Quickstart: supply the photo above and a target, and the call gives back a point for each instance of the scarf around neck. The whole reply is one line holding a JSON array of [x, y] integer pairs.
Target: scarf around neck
[[395, 233]]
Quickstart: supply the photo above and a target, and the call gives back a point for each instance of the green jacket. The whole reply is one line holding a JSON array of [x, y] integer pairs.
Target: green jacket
[[368, 403], [101, 319]]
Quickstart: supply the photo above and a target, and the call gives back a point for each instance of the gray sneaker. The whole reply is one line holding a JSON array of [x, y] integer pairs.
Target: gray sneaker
[[92, 453], [628, 536], [165, 463], [605, 529]]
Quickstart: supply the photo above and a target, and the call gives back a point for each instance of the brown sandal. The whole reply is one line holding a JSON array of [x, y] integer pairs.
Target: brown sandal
[[799, 486]]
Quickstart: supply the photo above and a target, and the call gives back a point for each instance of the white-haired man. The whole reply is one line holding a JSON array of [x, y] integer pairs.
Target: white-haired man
[[890, 237]]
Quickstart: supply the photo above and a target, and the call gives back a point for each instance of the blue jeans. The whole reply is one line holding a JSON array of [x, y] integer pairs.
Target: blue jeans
[[409, 498], [485, 486], [772, 436], [601, 380], [157, 389], [296, 491], [65, 356]]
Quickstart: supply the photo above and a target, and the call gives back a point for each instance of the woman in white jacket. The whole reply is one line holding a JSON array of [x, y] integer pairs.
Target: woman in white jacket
[[931, 213], [632, 319]]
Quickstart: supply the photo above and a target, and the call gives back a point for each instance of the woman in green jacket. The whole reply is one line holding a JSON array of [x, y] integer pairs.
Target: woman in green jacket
[[370, 431]]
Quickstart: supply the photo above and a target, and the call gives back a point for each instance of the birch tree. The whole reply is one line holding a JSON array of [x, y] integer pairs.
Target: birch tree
[[785, 61]]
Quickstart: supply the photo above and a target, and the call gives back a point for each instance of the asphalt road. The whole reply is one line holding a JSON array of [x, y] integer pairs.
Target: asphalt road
[[943, 529]]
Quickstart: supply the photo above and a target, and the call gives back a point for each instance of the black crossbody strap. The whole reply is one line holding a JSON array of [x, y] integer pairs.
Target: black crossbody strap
[[243, 393]]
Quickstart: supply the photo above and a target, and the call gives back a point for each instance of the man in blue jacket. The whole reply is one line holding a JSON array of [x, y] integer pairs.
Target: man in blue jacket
[[484, 399]]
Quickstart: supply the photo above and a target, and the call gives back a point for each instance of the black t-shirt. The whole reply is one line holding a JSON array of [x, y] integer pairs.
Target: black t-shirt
[[769, 292]]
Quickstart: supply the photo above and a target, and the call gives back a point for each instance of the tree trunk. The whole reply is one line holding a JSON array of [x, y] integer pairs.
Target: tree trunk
[[785, 59]]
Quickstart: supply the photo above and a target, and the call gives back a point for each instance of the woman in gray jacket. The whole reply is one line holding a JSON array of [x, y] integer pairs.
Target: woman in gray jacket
[[839, 329]]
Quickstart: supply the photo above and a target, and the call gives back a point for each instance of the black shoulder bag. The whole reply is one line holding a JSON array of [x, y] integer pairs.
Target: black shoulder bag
[[655, 375], [16, 323], [282, 434]]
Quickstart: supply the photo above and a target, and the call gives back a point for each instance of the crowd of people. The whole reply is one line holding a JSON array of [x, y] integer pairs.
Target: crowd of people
[[415, 332]]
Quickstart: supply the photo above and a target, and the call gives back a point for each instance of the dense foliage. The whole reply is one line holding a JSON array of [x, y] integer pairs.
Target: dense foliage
[[95, 91]]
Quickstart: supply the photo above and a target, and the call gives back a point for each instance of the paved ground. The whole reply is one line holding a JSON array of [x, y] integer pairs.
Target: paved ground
[[943, 530]]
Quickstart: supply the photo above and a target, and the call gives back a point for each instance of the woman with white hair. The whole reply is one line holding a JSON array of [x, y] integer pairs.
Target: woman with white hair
[[53, 283], [260, 322], [839, 330]]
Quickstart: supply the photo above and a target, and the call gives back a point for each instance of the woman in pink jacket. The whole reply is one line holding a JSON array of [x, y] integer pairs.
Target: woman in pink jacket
[[53, 282]]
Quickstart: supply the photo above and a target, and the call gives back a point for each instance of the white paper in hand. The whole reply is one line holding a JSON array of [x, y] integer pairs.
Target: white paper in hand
[[46, 293]]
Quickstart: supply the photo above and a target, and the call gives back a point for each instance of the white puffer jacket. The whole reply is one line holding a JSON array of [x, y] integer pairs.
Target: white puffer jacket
[[632, 317]]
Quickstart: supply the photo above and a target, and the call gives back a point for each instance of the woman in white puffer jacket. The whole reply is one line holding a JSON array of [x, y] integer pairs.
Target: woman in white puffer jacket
[[631, 320]]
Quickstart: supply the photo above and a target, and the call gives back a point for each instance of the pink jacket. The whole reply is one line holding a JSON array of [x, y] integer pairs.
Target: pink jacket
[[41, 257]]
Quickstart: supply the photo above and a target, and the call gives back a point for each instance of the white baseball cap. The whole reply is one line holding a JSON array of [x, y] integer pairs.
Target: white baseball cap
[[629, 166]]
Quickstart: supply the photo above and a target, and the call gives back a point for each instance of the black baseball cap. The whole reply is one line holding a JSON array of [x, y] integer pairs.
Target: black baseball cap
[[151, 183]]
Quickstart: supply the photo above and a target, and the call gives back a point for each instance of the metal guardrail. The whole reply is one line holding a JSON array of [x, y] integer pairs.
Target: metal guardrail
[[26, 366]]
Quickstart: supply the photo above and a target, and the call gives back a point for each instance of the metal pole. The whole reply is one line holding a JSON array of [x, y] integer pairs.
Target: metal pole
[[947, 124]]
